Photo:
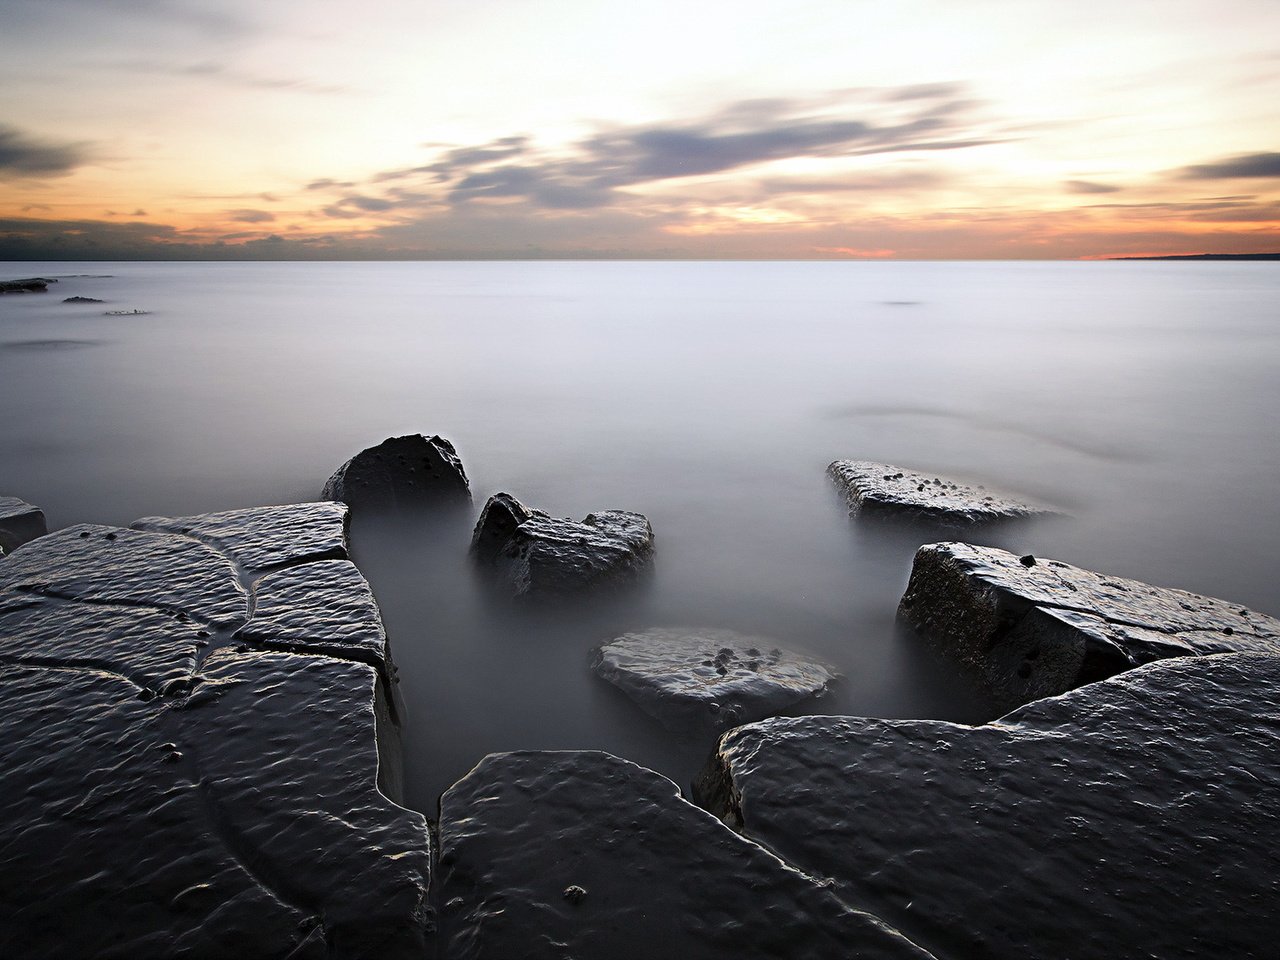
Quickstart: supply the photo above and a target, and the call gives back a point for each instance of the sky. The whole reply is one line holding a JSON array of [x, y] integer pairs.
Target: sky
[[808, 129]]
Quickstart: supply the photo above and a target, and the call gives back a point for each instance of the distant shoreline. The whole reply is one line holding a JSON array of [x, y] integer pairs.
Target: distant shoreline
[[1209, 256]]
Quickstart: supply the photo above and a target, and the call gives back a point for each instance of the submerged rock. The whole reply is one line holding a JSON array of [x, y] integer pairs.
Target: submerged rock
[[536, 555], [699, 678], [882, 490], [581, 854], [1028, 627], [177, 792], [401, 472], [1137, 816], [20, 522], [29, 285]]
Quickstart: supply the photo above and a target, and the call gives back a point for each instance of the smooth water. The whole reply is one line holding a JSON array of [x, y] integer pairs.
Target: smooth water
[[1138, 397]]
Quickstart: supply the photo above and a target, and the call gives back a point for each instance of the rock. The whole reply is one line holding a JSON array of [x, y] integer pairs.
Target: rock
[[882, 490], [1136, 816], [29, 285], [81, 300], [700, 678], [401, 472], [19, 523], [1030, 631], [126, 313], [524, 836], [178, 792], [535, 555]]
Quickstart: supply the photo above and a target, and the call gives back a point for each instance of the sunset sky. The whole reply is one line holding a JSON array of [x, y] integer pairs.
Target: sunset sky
[[597, 128]]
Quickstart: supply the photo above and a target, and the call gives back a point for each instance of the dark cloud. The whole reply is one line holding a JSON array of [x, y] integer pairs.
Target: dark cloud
[[250, 216], [1249, 165], [327, 184], [1089, 186], [24, 156]]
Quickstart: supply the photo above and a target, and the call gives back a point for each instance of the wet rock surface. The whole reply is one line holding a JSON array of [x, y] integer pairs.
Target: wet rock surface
[[401, 472], [19, 523], [703, 678], [1136, 816], [82, 300], [883, 490], [581, 854], [533, 555], [169, 790], [1029, 627]]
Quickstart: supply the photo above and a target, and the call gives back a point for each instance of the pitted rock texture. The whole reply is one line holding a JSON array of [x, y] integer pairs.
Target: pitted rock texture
[[580, 854], [538, 556], [264, 538], [169, 791], [19, 523], [401, 472], [698, 678], [1028, 627], [1137, 816], [883, 490]]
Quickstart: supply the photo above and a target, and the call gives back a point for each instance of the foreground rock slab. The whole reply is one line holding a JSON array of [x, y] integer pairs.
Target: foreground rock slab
[[883, 490], [172, 788], [580, 854], [539, 556], [401, 472], [20, 522], [1133, 817], [1028, 627], [27, 285], [709, 678]]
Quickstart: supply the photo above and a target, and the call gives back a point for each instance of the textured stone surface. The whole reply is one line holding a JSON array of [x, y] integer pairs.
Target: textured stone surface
[[401, 472], [883, 490], [535, 555], [1028, 627], [19, 523], [706, 677], [1138, 816], [580, 854], [263, 538], [168, 791]]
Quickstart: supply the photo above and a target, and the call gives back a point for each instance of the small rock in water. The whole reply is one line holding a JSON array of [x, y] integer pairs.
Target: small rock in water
[[881, 490], [539, 556], [401, 472], [20, 522], [708, 678], [29, 285], [81, 300], [1027, 561]]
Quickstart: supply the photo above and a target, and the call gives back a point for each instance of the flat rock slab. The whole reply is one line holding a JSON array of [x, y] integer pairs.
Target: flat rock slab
[[20, 522], [1138, 816], [695, 678], [883, 490], [1028, 627], [169, 789], [539, 556], [401, 472], [580, 854]]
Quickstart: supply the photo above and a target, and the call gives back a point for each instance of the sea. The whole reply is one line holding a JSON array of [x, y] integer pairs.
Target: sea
[[1138, 399]]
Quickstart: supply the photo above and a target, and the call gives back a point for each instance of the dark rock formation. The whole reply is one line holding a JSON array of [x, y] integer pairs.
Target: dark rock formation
[[700, 678], [1137, 816], [170, 790], [882, 490], [401, 472], [1030, 627], [536, 555], [580, 854], [19, 523], [29, 285], [81, 300]]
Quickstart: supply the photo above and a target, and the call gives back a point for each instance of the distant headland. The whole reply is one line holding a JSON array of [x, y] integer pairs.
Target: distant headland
[[1209, 256]]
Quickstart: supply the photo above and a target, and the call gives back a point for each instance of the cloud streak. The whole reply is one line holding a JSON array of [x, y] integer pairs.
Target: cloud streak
[[25, 156], [1246, 166]]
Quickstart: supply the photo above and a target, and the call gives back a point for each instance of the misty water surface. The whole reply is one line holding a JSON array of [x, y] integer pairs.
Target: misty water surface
[[1137, 397]]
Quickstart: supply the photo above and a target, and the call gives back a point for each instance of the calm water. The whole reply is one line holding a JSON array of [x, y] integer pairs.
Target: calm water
[[1138, 397]]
